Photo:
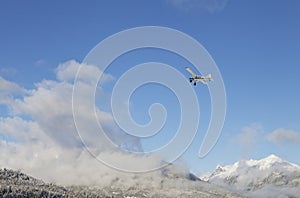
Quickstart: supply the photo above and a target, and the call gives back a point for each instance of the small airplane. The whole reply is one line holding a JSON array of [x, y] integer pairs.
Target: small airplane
[[196, 78]]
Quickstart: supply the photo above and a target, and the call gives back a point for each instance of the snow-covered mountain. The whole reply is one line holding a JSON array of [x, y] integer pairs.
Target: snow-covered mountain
[[268, 177], [171, 184]]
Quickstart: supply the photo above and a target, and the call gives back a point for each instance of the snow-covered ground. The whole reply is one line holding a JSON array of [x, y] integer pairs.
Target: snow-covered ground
[[268, 177]]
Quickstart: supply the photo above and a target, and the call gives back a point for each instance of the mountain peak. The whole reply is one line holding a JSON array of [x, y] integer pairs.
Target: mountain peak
[[269, 161], [258, 177], [273, 158]]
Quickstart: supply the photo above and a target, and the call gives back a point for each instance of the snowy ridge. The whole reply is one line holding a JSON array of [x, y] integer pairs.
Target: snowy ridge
[[171, 184], [268, 177]]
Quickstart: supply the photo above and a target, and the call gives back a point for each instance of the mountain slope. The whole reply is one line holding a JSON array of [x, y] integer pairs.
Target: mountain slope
[[17, 184], [268, 177]]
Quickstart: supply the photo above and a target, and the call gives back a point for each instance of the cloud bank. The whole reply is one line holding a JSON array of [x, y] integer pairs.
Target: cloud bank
[[39, 137]]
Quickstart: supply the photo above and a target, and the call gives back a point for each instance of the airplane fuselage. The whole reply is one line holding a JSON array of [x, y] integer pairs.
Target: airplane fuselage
[[197, 78]]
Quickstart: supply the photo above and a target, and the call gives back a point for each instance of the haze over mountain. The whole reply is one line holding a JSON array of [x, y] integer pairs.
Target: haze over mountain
[[169, 184]]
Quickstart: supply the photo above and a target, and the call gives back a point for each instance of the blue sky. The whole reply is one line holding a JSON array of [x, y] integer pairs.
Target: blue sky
[[254, 43]]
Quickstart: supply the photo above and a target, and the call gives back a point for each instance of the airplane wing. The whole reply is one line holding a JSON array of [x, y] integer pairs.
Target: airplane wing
[[203, 81], [190, 71]]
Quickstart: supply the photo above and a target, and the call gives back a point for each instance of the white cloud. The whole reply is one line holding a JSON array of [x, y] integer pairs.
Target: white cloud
[[68, 166], [50, 106], [10, 88], [18, 130], [211, 6], [67, 72], [284, 136], [46, 143]]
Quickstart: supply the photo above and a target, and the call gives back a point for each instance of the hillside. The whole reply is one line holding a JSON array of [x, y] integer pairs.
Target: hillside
[[18, 184]]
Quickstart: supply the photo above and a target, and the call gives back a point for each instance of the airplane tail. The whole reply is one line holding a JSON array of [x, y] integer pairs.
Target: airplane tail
[[208, 77]]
